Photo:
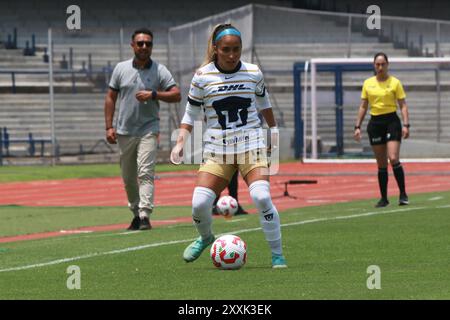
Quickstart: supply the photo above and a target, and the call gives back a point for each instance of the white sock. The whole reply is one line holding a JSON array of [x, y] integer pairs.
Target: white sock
[[202, 203], [268, 214], [144, 213]]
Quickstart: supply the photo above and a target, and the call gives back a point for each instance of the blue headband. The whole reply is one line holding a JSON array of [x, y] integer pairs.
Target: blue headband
[[227, 32]]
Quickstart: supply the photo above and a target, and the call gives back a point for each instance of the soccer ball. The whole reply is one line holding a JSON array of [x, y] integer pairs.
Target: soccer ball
[[229, 252], [227, 206]]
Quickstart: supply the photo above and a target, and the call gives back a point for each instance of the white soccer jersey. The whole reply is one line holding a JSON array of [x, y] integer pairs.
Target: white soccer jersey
[[230, 102]]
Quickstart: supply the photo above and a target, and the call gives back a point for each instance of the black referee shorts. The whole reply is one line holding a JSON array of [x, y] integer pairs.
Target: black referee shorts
[[384, 128]]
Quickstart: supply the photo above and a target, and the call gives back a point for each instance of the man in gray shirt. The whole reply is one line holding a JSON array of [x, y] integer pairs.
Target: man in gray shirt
[[138, 84]]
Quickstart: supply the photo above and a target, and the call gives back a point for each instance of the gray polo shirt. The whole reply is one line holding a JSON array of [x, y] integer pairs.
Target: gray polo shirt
[[138, 118]]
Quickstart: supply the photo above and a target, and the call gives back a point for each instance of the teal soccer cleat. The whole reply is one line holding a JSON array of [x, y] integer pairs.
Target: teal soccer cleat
[[195, 249], [278, 261]]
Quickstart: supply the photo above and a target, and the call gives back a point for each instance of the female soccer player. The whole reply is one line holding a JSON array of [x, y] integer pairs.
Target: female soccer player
[[385, 130], [231, 92]]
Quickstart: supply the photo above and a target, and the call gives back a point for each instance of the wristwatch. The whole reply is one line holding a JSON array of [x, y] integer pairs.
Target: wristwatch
[[407, 125], [357, 127], [154, 93]]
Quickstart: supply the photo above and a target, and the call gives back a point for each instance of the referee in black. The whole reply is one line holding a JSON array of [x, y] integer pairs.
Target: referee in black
[[385, 129]]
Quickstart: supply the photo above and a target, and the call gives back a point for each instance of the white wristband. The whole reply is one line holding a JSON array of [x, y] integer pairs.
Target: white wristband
[[274, 129]]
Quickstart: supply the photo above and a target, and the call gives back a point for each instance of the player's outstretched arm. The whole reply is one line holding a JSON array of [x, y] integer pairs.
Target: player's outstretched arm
[[191, 113], [274, 134], [176, 155]]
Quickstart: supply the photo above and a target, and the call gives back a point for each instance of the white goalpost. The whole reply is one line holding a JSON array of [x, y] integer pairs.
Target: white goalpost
[[428, 75]]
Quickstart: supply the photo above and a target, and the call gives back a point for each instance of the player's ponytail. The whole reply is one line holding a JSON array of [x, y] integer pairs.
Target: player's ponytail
[[210, 55]]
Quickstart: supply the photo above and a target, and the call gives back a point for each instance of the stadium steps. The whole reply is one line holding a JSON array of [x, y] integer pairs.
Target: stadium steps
[[107, 53], [422, 109], [430, 48], [79, 120], [329, 41], [277, 62], [102, 17], [38, 83]]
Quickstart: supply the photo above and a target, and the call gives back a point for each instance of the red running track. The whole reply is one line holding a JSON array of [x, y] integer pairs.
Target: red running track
[[335, 183]]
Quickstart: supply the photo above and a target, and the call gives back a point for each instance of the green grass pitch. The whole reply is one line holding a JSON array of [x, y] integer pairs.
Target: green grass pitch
[[328, 250]]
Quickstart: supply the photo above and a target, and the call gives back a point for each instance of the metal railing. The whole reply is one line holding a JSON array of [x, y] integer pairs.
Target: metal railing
[[404, 32], [104, 73]]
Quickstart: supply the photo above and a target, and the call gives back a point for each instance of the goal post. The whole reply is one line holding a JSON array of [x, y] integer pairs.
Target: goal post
[[426, 80]]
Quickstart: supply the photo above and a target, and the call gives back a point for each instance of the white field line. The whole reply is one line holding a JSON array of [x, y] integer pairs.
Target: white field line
[[435, 198], [125, 233], [75, 231], [95, 254], [159, 244], [235, 220]]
